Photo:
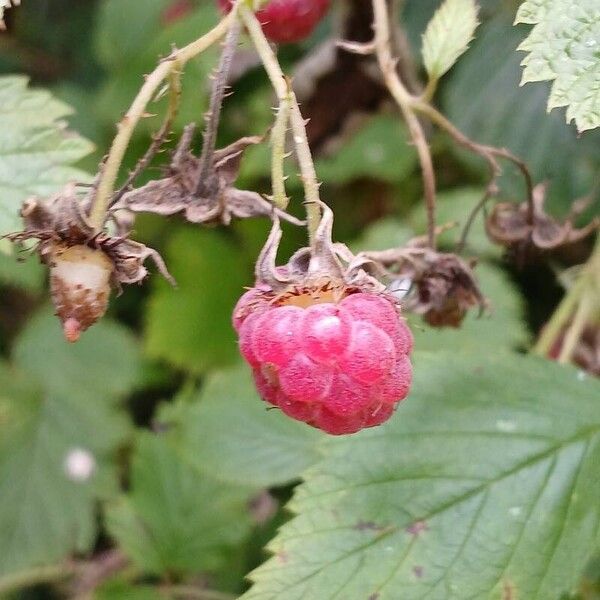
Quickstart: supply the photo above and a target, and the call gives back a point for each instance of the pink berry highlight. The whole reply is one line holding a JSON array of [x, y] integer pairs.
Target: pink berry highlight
[[339, 365], [285, 21]]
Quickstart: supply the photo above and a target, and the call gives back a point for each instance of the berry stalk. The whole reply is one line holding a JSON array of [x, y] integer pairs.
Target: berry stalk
[[213, 116], [285, 94], [159, 137], [404, 99], [126, 126], [278, 154], [580, 306]]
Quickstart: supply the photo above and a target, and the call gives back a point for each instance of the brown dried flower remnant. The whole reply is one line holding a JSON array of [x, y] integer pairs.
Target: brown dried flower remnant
[[443, 286], [510, 225], [202, 198], [83, 263]]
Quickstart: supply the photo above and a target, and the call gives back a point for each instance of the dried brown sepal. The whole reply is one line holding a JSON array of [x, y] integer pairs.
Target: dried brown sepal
[[509, 225], [212, 200], [83, 262], [326, 273], [443, 286]]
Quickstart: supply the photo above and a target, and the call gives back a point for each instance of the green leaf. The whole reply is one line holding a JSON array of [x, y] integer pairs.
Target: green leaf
[[482, 96], [448, 35], [48, 505], [105, 363], [24, 272], [406, 507], [378, 150], [228, 432], [564, 47], [118, 590], [36, 149], [175, 519], [57, 413], [190, 326]]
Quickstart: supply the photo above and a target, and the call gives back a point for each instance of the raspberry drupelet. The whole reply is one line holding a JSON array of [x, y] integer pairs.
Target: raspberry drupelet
[[286, 21], [326, 346]]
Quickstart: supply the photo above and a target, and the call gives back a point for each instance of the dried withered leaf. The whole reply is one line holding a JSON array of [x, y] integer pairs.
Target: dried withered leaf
[[509, 224], [208, 199], [444, 287]]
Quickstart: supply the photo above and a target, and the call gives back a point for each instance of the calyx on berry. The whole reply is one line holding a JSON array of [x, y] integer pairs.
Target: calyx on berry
[[443, 286], [509, 225], [83, 262], [325, 340], [213, 200], [286, 21]]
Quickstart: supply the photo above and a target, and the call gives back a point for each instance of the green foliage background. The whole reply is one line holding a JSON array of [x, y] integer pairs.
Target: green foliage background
[[486, 481]]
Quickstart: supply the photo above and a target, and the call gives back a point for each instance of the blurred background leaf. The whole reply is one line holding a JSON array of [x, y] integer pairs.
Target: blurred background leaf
[[174, 520], [36, 150], [59, 402], [228, 432]]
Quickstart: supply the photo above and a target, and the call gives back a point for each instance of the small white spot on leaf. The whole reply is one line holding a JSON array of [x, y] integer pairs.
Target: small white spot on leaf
[[79, 465]]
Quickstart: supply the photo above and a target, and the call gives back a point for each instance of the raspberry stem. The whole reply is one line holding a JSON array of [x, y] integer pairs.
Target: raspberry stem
[[159, 138], [412, 105], [213, 116], [285, 94], [404, 99], [580, 306], [278, 154], [125, 128]]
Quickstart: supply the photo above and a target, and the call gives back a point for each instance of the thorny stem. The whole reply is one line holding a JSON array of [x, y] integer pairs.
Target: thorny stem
[[213, 115], [281, 87], [489, 153], [405, 101], [278, 154], [176, 59], [159, 138]]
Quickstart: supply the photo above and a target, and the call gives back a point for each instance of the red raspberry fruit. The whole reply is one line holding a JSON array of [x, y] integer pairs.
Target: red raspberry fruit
[[338, 364], [285, 21]]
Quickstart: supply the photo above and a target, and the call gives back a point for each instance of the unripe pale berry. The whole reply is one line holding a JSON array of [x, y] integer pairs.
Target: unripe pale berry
[[285, 21], [339, 365], [80, 286]]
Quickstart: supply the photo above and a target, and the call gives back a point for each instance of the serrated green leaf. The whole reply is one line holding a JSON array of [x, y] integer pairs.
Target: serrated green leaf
[[378, 150], [35, 148], [564, 47], [404, 509], [500, 113], [175, 519], [448, 35], [228, 432], [105, 363], [190, 326]]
